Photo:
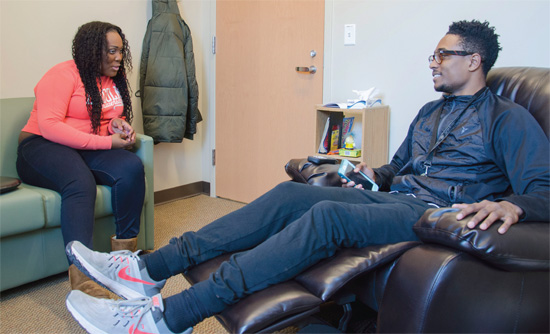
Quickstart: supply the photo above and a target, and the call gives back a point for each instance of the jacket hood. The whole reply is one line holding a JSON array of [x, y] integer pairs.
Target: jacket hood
[[165, 6]]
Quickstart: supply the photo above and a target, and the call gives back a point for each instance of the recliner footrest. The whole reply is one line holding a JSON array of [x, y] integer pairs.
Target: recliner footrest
[[271, 309], [287, 303], [329, 276]]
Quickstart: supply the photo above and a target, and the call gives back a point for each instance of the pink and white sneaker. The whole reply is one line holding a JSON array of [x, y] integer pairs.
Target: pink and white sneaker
[[144, 315], [122, 272]]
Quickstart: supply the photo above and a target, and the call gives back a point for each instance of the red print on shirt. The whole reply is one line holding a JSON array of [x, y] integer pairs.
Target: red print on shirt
[[111, 98]]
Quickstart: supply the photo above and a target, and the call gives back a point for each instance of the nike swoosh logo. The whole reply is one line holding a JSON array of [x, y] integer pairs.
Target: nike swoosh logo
[[137, 331], [124, 275]]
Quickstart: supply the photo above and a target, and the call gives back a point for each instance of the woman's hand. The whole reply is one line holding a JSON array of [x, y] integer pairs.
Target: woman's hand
[[124, 135], [360, 167], [122, 127], [119, 140]]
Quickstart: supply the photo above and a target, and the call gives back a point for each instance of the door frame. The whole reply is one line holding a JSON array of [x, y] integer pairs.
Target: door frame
[[211, 77]]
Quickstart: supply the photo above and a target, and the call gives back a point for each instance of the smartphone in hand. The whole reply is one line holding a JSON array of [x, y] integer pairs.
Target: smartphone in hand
[[346, 172]]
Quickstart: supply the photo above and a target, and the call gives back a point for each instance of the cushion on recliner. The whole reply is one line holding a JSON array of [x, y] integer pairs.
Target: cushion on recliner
[[528, 87], [271, 309], [525, 247], [328, 276], [436, 289]]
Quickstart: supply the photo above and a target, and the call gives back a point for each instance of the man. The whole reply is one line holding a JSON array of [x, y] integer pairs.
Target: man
[[463, 148]]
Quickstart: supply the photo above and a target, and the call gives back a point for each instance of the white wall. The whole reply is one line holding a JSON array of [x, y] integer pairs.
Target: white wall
[[190, 161], [395, 38], [37, 34]]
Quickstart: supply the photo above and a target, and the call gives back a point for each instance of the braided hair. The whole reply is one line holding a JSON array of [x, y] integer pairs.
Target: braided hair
[[89, 45]]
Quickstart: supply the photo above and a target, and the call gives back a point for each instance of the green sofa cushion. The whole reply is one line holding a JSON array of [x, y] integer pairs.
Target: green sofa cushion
[[51, 201], [103, 202], [29, 208], [21, 210]]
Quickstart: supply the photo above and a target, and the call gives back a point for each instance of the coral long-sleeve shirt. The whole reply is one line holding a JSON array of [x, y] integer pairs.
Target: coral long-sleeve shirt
[[60, 115]]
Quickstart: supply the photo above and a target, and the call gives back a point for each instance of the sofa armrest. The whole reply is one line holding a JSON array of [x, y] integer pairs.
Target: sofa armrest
[[525, 247], [143, 148]]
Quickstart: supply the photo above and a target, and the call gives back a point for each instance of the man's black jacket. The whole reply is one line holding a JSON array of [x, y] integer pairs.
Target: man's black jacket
[[495, 150]]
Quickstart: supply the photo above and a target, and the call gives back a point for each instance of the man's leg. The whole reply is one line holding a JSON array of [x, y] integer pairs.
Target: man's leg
[[244, 228], [130, 276], [315, 236]]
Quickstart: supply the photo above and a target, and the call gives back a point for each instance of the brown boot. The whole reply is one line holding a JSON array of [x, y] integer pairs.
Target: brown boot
[[123, 244], [81, 282]]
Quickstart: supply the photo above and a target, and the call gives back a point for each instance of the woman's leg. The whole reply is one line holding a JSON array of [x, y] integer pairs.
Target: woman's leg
[[123, 171], [244, 228], [43, 163]]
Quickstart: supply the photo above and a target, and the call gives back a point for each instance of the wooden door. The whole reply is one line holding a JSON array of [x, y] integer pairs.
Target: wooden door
[[265, 109]]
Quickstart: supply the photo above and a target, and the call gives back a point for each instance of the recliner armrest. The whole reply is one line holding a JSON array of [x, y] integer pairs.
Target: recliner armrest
[[525, 247], [303, 171]]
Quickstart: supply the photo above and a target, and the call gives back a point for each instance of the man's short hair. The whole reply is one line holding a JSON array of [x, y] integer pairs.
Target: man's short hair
[[479, 38]]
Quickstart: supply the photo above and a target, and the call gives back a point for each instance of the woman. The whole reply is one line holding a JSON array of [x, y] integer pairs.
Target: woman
[[76, 137]]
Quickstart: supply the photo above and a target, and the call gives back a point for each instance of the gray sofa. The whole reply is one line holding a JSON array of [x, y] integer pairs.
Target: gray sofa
[[31, 245]]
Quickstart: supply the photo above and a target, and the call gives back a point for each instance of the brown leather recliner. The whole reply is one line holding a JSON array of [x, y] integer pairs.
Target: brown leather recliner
[[454, 280], [462, 280]]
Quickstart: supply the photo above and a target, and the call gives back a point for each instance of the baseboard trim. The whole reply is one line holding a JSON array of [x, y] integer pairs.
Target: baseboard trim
[[183, 191]]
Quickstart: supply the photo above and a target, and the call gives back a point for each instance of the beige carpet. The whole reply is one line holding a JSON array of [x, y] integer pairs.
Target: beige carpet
[[39, 307]]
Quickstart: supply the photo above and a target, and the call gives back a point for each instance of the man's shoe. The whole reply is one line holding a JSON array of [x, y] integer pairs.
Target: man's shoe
[[136, 316], [121, 272]]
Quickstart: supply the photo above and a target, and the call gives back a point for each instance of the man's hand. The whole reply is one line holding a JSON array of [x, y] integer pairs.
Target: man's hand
[[487, 212], [360, 167]]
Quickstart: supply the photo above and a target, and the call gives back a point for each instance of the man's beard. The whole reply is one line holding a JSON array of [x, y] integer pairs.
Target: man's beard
[[444, 89]]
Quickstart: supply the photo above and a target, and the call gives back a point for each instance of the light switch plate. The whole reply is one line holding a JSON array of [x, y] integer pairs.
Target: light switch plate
[[349, 34]]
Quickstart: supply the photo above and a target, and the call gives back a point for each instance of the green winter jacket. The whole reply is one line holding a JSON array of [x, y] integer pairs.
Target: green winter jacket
[[168, 88]]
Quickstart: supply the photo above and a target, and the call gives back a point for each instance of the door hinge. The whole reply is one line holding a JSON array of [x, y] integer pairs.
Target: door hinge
[[214, 157], [213, 45]]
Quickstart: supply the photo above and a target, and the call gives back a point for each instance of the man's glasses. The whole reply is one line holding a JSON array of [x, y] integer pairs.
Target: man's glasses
[[438, 56]]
